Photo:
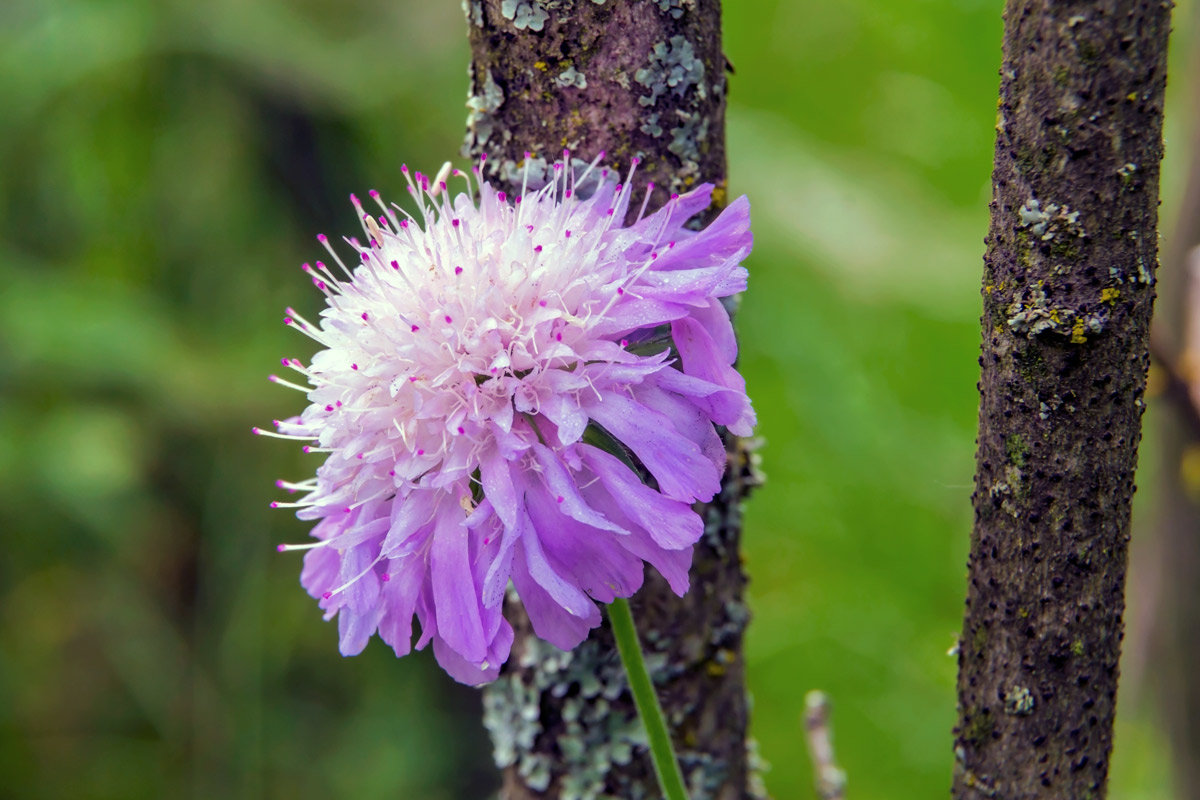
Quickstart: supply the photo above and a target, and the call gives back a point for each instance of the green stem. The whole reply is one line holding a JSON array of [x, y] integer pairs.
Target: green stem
[[666, 766]]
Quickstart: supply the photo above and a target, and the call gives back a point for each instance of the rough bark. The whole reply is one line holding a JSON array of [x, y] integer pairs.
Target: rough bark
[[1068, 290], [644, 79]]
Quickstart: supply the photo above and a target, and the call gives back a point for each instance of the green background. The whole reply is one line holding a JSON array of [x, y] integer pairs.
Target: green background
[[164, 166]]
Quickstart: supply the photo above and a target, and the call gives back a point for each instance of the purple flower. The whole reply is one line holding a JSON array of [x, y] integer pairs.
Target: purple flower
[[497, 380]]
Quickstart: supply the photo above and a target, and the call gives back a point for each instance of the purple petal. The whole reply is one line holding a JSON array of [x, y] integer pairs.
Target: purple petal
[[412, 515], [566, 493], [496, 475], [674, 214], [357, 576], [320, 572], [723, 406], [723, 244], [592, 558], [550, 621], [689, 420], [475, 673], [355, 628], [565, 594], [672, 524], [399, 599], [456, 602], [671, 564], [631, 313], [496, 551], [715, 319], [704, 357], [677, 463]]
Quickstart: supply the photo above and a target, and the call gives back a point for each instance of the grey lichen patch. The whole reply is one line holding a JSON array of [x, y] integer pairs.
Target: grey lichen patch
[[756, 767], [686, 137], [678, 101], [1031, 313], [1049, 221], [473, 10], [674, 68], [525, 14], [1018, 702], [481, 107], [675, 8], [571, 77], [593, 734]]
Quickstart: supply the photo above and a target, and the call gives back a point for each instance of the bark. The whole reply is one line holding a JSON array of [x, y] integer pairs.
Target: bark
[[644, 79], [1068, 290]]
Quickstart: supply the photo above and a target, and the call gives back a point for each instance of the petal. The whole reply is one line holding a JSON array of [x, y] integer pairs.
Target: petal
[[683, 472], [398, 598], [673, 565], [496, 550], [631, 313], [412, 515], [592, 558], [355, 629], [723, 406], [670, 523], [320, 571], [496, 476], [690, 421], [565, 594], [550, 621], [725, 243], [715, 319], [475, 673], [456, 603], [565, 492], [702, 357], [675, 213], [357, 579], [564, 411]]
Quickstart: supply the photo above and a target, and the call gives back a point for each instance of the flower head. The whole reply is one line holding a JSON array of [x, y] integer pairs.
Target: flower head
[[514, 390]]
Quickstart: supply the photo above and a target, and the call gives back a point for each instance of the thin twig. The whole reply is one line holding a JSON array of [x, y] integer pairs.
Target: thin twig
[[1182, 374], [830, 778]]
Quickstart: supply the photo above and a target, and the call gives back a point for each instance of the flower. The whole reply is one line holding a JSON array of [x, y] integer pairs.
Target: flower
[[514, 391]]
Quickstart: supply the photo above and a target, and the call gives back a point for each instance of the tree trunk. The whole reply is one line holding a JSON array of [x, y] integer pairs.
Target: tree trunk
[[644, 79], [1068, 290]]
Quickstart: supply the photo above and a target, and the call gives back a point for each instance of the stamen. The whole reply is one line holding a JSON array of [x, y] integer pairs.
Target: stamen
[[289, 384], [287, 548], [257, 431]]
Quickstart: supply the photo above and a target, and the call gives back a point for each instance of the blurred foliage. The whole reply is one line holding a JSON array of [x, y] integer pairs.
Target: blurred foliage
[[165, 166]]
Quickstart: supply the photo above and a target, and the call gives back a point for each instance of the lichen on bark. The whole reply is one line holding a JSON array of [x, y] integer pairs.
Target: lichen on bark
[[1067, 295]]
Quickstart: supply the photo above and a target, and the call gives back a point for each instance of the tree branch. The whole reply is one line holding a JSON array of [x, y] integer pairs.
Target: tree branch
[[830, 779], [1068, 291]]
